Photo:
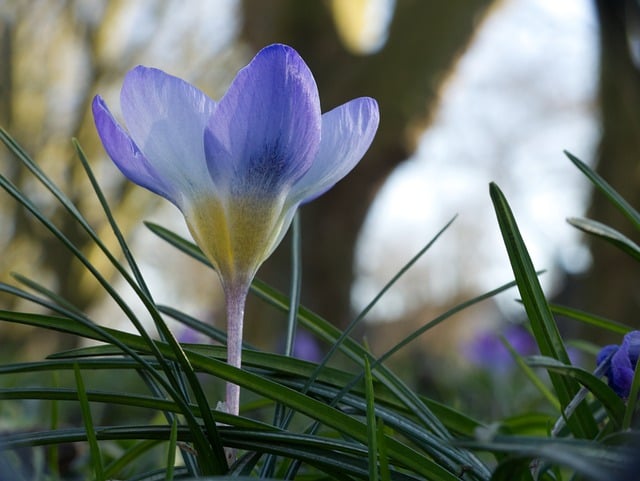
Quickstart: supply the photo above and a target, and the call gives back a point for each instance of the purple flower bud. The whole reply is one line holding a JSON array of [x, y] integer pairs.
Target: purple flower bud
[[620, 362]]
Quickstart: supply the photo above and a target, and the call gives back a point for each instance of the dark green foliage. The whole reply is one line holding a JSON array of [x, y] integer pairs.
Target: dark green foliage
[[349, 420]]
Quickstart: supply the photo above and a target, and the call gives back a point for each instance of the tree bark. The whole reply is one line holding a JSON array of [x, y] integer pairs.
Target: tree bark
[[424, 43]]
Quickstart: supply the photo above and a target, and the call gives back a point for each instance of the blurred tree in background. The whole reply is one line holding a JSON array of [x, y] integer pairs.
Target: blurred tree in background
[[424, 41], [610, 288]]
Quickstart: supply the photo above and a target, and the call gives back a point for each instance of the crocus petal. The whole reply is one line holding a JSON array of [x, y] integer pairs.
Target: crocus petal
[[166, 118], [605, 353], [347, 133], [621, 372], [265, 132], [632, 339], [126, 154]]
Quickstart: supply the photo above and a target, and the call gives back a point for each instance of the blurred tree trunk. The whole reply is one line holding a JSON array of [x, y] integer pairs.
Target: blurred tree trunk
[[612, 286], [425, 40], [5, 72]]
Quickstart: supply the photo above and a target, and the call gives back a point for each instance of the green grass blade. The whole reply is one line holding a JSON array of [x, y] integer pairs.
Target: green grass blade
[[293, 399], [296, 283], [185, 367], [532, 376], [616, 199], [608, 234], [385, 473], [85, 328], [113, 469], [543, 325], [372, 431], [171, 452], [634, 399], [326, 331], [94, 447], [117, 398], [592, 460], [455, 421], [214, 459], [403, 424], [611, 402], [49, 294], [336, 338], [202, 327], [591, 319], [29, 163], [55, 421], [280, 414], [332, 455]]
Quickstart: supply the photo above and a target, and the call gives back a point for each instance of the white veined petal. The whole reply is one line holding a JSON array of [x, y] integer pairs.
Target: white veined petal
[[126, 154], [347, 133], [166, 118]]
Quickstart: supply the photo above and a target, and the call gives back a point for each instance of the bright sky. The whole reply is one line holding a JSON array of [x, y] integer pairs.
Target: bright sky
[[522, 94]]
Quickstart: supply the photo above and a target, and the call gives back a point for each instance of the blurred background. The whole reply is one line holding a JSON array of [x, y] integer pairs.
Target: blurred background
[[470, 91]]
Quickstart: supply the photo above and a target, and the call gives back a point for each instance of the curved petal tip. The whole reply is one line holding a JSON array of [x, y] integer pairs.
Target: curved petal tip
[[125, 153]]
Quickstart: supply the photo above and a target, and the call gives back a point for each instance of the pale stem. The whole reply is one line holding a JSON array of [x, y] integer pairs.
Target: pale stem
[[236, 296]]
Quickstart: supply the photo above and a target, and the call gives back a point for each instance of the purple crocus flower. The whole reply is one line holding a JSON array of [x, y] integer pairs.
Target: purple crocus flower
[[239, 168], [488, 351], [619, 363]]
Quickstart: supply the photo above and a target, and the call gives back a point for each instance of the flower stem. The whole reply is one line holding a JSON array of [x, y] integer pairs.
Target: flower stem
[[236, 297]]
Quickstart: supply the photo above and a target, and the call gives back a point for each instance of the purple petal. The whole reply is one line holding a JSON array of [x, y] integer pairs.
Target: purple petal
[[621, 372], [306, 347], [166, 118], [487, 349], [605, 353], [265, 132], [126, 154], [347, 133], [632, 340], [521, 340]]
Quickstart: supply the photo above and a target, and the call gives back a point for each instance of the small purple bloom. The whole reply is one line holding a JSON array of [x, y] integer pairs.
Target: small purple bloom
[[487, 350], [619, 363], [188, 335], [239, 168], [306, 347]]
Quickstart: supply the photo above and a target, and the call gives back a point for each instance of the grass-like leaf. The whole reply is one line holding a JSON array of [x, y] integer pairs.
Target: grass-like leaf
[[319, 326], [609, 399], [214, 461], [85, 408], [603, 186], [219, 460], [372, 431], [129, 456], [385, 472], [607, 233], [590, 319], [543, 325], [171, 452], [531, 375], [592, 460], [293, 399]]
